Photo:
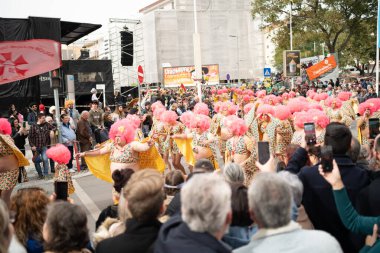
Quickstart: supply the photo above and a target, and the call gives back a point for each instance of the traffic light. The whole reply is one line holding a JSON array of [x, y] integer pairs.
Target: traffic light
[[126, 48]]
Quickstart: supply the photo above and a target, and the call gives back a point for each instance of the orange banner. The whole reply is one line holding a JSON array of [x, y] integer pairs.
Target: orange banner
[[322, 67]]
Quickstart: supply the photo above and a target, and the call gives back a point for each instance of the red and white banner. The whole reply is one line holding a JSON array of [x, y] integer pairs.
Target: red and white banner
[[23, 59]]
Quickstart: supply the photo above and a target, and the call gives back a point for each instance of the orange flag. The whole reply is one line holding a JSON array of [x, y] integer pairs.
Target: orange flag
[[322, 67]]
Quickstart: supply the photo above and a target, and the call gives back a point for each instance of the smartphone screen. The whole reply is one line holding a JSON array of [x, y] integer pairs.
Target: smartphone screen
[[374, 125], [310, 136], [61, 190], [327, 158], [263, 148]]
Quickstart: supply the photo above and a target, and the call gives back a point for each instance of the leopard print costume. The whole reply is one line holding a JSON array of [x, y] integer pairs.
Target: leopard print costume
[[199, 140], [163, 137], [8, 179], [284, 133], [297, 137], [244, 145], [179, 128], [62, 174]]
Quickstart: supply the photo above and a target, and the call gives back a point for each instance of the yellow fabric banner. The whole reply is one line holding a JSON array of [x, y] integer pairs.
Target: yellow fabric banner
[[151, 159], [100, 166], [186, 148], [22, 160], [359, 136]]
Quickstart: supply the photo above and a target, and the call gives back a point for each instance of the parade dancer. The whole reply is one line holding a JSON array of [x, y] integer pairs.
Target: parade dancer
[[173, 127], [284, 131], [123, 148], [203, 142], [11, 159], [264, 126], [349, 107], [333, 110], [366, 111], [61, 155], [224, 109], [160, 135], [240, 148]]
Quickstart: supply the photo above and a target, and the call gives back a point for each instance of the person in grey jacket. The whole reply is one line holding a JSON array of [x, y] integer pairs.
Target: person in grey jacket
[[270, 202], [68, 138]]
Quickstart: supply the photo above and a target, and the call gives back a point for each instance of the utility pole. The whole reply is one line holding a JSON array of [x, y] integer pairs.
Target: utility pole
[[197, 54], [291, 34]]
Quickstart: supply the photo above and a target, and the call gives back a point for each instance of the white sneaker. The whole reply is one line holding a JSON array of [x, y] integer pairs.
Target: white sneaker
[[72, 170]]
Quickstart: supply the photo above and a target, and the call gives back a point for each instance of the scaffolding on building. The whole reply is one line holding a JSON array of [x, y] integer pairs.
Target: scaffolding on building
[[125, 75]]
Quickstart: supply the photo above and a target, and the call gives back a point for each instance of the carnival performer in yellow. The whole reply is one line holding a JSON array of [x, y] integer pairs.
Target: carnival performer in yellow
[[203, 142], [11, 159], [240, 147], [123, 149], [160, 134], [173, 127]]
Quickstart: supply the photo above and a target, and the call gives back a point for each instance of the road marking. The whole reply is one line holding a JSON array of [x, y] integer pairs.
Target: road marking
[[86, 200]]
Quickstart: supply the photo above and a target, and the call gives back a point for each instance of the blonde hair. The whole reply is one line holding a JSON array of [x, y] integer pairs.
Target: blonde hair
[[145, 194]]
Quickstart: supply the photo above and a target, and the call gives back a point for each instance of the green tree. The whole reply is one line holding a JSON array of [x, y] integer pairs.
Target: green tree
[[342, 25]]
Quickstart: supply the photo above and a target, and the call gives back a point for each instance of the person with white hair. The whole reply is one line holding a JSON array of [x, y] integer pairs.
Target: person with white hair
[[270, 202], [233, 173], [206, 215]]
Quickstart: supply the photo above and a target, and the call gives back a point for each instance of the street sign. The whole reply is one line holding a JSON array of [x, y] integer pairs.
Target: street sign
[[267, 72], [140, 74], [228, 77]]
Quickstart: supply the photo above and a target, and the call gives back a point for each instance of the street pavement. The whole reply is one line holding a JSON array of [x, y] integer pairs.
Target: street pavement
[[91, 193]]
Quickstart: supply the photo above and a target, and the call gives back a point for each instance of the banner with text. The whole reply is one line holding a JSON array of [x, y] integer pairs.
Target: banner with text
[[23, 59], [322, 67], [175, 76]]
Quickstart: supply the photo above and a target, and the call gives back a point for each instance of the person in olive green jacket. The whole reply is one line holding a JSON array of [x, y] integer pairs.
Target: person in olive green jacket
[[350, 218]]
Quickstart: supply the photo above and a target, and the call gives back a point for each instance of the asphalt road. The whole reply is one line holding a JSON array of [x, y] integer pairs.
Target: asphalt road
[[91, 193]]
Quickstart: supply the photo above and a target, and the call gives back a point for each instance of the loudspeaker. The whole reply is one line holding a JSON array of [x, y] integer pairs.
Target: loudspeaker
[[126, 48]]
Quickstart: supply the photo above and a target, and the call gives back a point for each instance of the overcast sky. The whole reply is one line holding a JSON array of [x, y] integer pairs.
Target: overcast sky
[[86, 11]]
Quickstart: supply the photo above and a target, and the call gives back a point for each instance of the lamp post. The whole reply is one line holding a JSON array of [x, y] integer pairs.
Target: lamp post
[[291, 33], [238, 56], [197, 54]]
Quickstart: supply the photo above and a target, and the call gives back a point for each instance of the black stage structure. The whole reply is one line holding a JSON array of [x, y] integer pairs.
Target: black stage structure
[[23, 92]]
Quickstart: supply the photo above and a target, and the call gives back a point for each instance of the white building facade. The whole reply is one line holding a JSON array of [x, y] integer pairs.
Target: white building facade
[[229, 37]]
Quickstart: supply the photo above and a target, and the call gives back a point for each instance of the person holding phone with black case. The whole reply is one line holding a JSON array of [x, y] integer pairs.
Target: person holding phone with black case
[[317, 192]]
